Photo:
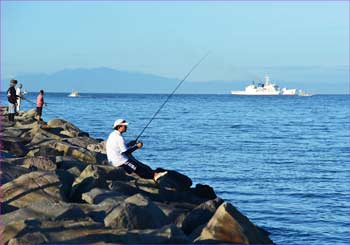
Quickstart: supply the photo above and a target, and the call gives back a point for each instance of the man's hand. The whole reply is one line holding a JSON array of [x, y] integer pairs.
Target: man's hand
[[139, 144], [131, 143]]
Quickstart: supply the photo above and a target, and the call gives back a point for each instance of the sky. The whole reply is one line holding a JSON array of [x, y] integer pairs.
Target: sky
[[245, 39]]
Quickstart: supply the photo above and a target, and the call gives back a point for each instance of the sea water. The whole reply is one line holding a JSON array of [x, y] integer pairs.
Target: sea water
[[282, 161]]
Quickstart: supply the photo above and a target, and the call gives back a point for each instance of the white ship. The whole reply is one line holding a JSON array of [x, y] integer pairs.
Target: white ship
[[73, 94], [266, 88]]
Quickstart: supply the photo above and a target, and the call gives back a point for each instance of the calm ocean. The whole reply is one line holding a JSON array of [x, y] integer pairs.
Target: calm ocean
[[283, 161]]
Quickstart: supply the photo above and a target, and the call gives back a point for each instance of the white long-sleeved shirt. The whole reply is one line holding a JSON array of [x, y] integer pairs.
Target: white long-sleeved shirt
[[115, 147]]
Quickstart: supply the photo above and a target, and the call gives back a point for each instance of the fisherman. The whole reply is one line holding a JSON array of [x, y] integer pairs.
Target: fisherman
[[19, 96], [119, 154], [12, 99], [39, 105]]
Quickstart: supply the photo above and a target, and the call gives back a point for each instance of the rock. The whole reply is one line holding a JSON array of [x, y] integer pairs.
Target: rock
[[45, 150], [14, 145], [89, 233], [44, 132], [199, 215], [41, 163], [39, 139], [228, 225], [42, 211], [12, 132], [83, 142], [30, 238], [204, 191], [67, 162], [59, 148], [8, 232], [69, 129], [174, 180], [26, 124], [137, 212], [172, 211], [74, 171], [98, 147], [31, 113], [90, 178], [66, 178], [34, 186], [9, 172], [82, 155], [127, 188], [97, 195]]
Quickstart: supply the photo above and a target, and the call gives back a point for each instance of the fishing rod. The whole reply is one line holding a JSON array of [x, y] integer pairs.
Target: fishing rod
[[170, 95], [35, 104]]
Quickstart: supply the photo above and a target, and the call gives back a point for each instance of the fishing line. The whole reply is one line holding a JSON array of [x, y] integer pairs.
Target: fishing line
[[172, 93], [23, 98]]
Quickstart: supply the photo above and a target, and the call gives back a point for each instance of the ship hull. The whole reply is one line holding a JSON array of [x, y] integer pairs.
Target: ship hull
[[254, 93]]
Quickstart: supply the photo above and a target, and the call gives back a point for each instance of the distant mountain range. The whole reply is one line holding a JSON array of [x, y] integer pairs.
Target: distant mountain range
[[107, 80]]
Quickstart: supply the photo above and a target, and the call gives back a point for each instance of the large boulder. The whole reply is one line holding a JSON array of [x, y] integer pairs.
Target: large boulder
[[98, 147], [32, 187], [203, 191], [98, 195], [199, 215], [32, 231], [87, 232], [39, 129], [31, 113], [76, 152], [228, 225], [11, 171], [43, 210], [67, 162], [69, 129], [137, 212], [95, 176], [14, 145], [83, 142], [41, 163], [173, 180]]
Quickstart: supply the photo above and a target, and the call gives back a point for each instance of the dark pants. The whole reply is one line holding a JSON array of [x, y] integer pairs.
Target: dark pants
[[137, 167], [11, 117], [39, 111]]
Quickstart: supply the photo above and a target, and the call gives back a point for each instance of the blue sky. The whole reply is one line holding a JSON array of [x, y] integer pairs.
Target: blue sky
[[246, 39]]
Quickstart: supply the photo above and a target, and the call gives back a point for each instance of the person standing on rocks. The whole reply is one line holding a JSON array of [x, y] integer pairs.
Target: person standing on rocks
[[39, 105], [19, 96], [119, 154], [12, 99]]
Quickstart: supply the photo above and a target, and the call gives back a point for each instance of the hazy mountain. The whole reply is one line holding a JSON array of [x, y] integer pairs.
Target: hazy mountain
[[106, 80]]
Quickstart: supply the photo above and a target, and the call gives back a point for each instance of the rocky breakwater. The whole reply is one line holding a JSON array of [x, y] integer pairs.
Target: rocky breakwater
[[56, 187]]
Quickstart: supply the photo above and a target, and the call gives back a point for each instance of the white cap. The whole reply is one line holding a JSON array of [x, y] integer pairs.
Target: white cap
[[120, 122]]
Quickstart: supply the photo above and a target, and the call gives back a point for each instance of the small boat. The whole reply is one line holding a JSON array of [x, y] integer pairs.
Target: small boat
[[286, 91], [73, 94], [303, 93], [25, 92]]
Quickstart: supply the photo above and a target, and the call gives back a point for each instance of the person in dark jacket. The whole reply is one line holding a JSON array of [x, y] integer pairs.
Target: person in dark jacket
[[12, 99]]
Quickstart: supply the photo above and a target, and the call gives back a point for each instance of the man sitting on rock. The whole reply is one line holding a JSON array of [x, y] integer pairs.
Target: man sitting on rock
[[119, 154]]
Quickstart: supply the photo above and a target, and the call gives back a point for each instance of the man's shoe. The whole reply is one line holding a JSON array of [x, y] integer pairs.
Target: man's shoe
[[159, 175]]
